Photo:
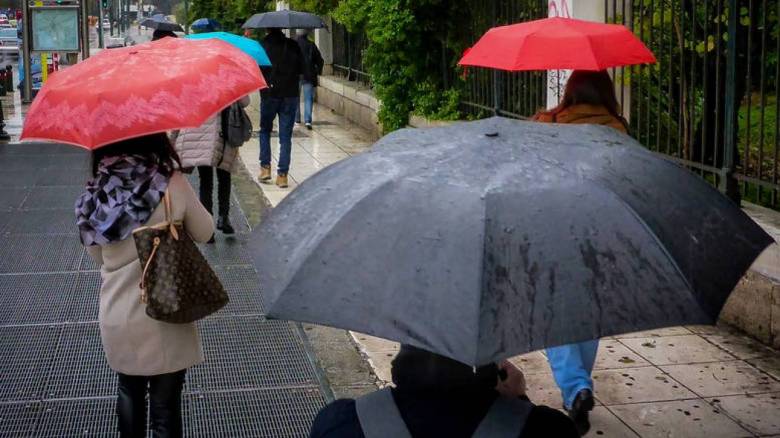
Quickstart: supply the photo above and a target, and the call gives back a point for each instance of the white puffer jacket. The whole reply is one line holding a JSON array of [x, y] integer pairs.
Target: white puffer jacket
[[204, 146]]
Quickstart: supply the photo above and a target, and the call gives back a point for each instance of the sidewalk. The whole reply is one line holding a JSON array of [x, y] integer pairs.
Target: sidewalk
[[676, 382], [258, 379]]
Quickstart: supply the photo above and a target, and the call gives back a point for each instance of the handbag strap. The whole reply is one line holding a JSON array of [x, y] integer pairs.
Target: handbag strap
[[169, 215]]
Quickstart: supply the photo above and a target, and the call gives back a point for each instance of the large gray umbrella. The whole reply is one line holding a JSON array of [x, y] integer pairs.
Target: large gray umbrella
[[161, 22], [284, 20], [488, 239]]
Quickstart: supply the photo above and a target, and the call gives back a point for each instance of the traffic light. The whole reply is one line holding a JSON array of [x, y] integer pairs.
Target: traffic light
[[104, 4]]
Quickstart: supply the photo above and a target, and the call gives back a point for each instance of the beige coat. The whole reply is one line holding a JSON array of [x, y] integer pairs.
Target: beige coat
[[204, 146], [134, 343]]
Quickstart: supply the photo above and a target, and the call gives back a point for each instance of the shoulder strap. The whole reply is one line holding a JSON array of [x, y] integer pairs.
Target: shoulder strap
[[379, 416], [506, 418], [167, 201]]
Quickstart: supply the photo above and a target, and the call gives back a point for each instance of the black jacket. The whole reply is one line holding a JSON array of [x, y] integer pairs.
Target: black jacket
[[312, 59], [283, 76], [439, 397]]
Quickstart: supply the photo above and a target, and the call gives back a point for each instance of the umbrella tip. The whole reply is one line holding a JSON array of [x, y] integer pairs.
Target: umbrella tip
[[491, 134]]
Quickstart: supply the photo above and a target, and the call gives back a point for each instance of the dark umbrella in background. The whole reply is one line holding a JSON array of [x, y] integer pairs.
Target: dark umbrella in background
[[161, 22], [284, 20], [488, 239]]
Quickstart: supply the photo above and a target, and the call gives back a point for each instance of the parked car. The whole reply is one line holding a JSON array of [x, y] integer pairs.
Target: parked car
[[4, 23], [9, 43], [106, 24]]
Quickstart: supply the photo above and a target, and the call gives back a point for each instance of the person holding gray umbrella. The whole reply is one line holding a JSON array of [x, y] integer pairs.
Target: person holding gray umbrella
[[281, 99]]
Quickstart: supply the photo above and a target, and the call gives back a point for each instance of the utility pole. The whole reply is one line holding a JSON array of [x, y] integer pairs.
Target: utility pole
[[186, 17], [27, 62], [101, 7]]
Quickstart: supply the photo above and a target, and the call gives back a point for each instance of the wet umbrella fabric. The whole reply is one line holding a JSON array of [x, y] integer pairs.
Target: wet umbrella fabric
[[246, 45], [205, 25], [557, 43], [284, 20], [161, 22], [172, 83], [493, 238]]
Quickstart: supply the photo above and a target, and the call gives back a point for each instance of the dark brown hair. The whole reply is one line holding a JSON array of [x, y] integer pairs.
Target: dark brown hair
[[590, 88], [157, 148]]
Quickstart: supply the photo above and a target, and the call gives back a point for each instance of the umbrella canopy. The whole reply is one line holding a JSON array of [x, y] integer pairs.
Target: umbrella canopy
[[557, 44], [246, 45], [284, 20], [493, 238], [161, 22], [205, 25], [152, 87]]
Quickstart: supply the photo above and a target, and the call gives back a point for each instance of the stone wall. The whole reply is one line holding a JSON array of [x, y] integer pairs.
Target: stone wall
[[357, 104]]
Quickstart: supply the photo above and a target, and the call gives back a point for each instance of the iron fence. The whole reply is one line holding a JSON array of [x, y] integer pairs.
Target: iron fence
[[348, 54], [711, 100], [508, 94]]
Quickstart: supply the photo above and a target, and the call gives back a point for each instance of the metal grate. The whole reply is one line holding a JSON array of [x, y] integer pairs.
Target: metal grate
[[277, 413], [88, 263], [27, 355], [225, 251], [258, 353], [79, 368], [18, 419], [52, 177], [70, 418], [57, 197], [84, 302], [40, 148], [11, 199], [55, 253], [35, 299], [42, 222], [243, 287], [17, 178]]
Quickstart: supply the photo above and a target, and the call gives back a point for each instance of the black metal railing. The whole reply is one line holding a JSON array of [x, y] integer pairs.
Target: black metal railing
[[495, 92], [711, 100], [348, 54]]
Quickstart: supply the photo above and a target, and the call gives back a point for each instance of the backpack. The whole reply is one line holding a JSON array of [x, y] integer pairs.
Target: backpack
[[236, 126]]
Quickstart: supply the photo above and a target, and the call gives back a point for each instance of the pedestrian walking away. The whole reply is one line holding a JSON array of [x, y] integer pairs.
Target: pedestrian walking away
[[205, 148], [590, 98], [150, 357], [312, 68], [438, 396], [279, 99]]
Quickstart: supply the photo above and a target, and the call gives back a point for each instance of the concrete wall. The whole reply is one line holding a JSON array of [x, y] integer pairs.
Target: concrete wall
[[357, 104]]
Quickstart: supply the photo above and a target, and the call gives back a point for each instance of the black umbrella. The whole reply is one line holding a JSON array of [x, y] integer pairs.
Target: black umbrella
[[161, 22], [487, 239], [284, 20]]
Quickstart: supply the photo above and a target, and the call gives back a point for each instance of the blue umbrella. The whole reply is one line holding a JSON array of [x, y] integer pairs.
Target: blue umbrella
[[248, 46], [205, 24]]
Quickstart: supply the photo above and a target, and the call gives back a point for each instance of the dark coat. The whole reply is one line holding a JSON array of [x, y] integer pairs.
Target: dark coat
[[312, 60], [283, 77], [439, 397]]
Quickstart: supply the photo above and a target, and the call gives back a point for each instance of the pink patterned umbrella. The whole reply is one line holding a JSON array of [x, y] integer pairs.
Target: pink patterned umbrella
[[133, 91]]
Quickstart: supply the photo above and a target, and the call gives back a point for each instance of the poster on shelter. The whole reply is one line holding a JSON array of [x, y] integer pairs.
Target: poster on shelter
[[55, 29]]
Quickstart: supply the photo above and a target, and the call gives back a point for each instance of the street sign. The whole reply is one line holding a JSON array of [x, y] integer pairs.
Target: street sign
[[55, 29]]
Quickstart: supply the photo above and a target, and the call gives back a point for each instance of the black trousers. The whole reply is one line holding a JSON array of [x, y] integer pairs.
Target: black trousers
[[164, 405], [206, 174]]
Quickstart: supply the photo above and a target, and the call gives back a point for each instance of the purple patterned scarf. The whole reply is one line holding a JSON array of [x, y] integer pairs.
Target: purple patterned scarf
[[119, 199]]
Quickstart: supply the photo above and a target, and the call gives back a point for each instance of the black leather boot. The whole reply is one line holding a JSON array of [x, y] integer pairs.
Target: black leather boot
[[223, 224], [582, 405]]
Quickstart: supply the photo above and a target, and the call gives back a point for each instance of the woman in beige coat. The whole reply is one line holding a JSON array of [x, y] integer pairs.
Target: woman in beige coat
[[130, 179], [205, 148]]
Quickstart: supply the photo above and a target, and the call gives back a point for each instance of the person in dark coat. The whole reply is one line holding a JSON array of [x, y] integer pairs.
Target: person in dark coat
[[280, 98], [438, 396], [312, 67]]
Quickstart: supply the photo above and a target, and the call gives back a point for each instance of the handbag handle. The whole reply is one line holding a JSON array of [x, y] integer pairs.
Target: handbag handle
[[156, 243]]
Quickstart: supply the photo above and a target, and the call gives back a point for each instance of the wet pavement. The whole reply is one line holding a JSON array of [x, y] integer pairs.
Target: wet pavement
[[675, 382], [259, 377]]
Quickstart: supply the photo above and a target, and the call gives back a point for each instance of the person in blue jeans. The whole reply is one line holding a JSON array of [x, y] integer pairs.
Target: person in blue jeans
[[279, 99], [312, 68], [589, 98]]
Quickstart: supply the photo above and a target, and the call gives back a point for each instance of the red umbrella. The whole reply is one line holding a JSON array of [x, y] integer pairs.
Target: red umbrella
[[133, 91], [557, 44]]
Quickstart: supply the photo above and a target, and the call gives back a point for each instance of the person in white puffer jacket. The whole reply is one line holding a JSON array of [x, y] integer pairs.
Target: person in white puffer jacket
[[204, 148]]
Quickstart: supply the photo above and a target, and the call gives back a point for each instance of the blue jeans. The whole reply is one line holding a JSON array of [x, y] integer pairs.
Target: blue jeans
[[571, 366], [308, 101], [285, 107]]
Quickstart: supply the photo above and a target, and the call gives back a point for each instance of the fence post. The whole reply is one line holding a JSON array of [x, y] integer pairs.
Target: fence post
[[728, 183], [496, 75]]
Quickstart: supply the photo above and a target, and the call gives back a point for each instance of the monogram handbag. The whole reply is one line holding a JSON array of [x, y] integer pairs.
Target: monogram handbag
[[177, 285]]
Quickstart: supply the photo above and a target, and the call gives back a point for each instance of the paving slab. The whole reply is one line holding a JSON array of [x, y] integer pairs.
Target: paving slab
[[759, 414], [722, 378], [683, 419], [634, 385], [665, 350]]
